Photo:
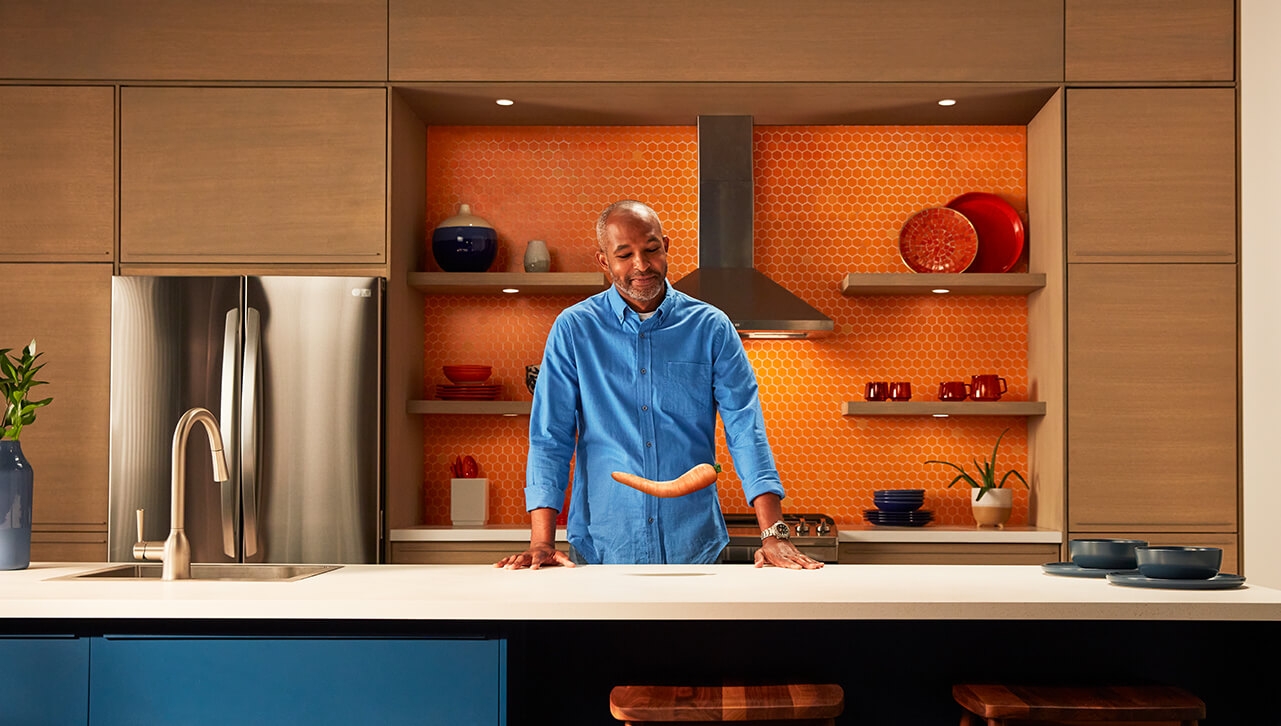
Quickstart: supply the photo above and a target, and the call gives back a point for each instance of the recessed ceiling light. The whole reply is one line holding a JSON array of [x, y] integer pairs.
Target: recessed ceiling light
[[947, 101], [939, 415], [940, 291], [511, 290], [504, 102]]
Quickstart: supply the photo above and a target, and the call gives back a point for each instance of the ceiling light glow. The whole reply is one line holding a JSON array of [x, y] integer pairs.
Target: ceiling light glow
[[505, 102], [947, 101]]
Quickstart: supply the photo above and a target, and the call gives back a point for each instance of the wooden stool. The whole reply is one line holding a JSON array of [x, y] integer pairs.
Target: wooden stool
[[1005, 705], [786, 704]]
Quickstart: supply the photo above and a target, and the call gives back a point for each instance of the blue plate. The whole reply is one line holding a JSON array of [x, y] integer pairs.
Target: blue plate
[[1222, 581], [1071, 569]]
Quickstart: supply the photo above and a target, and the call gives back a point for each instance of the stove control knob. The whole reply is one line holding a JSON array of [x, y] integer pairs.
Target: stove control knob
[[823, 527], [802, 528]]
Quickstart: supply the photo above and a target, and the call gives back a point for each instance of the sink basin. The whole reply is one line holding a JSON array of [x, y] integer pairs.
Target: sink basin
[[244, 572]]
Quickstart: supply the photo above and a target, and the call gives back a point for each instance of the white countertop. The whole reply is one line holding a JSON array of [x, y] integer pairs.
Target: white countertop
[[933, 534], [639, 592]]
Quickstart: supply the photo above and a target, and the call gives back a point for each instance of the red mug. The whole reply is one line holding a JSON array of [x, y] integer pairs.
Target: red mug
[[954, 391], [877, 391], [900, 391], [987, 387]]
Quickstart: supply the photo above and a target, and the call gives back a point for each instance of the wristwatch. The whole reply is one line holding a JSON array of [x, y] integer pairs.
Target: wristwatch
[[778, 529]]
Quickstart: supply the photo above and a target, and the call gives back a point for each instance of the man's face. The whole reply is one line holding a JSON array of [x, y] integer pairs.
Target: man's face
[[635, 258]]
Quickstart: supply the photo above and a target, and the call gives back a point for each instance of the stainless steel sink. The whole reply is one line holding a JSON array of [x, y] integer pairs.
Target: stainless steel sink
[[244, 572]]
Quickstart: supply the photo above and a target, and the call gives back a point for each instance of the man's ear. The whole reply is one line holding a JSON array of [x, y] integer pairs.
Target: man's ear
[[601, 262], [666, 243]]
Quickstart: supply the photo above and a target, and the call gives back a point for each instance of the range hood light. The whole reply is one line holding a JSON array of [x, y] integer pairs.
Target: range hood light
[[505, 102], [947, 101], [773, 336]]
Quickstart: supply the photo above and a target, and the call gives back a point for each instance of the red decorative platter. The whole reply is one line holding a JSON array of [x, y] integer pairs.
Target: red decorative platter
[[999, 227], [938, 240]]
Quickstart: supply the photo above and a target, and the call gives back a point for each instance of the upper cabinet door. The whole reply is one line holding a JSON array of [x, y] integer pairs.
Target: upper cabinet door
[[57, 173], [230, 40], [727, 40], [1151, 175], [253, 175], [1150, 40]]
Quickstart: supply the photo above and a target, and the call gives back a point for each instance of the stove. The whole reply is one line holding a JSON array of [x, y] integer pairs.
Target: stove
[[813, 534]]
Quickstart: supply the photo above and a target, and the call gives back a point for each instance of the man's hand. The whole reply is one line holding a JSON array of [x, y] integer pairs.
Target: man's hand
[[781, 553], [538, 555]]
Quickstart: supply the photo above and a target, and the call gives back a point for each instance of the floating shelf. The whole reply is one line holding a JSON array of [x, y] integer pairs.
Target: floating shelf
[[497, 283], [894, 283], [483, 408], [943, 408]]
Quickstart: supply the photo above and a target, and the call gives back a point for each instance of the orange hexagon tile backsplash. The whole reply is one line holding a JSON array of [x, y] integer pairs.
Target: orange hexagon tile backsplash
[[829, 200]]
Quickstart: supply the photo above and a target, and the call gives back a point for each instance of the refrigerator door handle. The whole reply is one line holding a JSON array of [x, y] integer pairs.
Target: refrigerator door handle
[[249, 428], [230, 339]]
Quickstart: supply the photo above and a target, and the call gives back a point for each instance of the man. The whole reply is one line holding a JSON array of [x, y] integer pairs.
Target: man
[[631, 380]]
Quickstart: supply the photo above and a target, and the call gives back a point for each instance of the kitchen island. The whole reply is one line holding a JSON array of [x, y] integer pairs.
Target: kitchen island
[[894, 637]]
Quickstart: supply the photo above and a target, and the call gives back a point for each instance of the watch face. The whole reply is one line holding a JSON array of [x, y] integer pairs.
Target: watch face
[[778, 529]]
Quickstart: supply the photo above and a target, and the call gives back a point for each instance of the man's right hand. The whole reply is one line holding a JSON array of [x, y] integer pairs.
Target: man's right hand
[[539, 554]]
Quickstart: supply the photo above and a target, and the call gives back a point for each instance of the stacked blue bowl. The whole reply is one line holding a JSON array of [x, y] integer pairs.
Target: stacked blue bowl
[[898, 508]]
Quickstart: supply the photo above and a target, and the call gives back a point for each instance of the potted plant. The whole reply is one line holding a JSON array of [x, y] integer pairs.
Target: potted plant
[[17, 378], [999, 500]]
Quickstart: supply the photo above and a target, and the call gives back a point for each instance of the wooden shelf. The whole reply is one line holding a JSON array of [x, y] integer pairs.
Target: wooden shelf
[[943, 408], [484, 408], [910, 283], [496, 283]]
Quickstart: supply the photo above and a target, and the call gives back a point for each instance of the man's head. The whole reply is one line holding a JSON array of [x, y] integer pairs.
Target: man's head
[[633, 252]]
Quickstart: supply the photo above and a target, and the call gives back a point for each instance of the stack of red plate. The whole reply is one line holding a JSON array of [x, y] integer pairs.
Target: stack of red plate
[[468, 391]]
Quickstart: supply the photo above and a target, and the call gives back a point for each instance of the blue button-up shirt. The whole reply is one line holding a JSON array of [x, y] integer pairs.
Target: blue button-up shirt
[[616, 393]]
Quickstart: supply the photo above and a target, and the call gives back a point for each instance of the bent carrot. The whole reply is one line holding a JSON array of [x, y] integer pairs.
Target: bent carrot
[[698, 477]]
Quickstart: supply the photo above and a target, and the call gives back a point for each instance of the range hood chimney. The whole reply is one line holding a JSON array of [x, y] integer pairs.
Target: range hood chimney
[[726, 277]]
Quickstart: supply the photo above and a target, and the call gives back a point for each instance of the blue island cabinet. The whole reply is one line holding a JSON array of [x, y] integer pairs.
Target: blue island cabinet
[[44, 680], [304, 680]]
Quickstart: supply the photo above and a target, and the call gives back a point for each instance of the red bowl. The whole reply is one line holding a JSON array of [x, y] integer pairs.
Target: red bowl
[[468, 374]]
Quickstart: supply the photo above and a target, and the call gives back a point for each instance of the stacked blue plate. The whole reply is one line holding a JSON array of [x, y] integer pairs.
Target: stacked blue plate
[[898, 500], [898, 508]]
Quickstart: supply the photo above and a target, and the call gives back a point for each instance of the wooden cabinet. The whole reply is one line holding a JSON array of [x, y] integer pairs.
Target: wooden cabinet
[[289, 175], [1151, 175], [67, 309], [727, 40], [1149, 40], [57, 173], [1152, 404], [924, 553], [230, 40]]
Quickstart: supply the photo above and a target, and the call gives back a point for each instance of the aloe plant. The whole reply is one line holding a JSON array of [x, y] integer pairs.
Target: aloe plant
[[986, 477], [17, 378]]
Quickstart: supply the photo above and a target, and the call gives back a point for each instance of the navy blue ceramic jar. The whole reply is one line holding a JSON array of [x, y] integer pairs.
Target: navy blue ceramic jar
[[464, 243]]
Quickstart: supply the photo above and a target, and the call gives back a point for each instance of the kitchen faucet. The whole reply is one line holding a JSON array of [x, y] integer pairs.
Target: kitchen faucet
[[175, 551]]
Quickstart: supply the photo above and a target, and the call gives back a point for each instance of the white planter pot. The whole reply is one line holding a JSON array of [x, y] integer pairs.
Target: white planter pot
[[993, 510]]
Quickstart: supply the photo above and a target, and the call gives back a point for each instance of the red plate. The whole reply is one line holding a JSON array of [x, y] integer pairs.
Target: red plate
[[938, 240], [1000, 230]]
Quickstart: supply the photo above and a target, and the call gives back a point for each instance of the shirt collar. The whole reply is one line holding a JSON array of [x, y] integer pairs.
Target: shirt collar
[[619, 307]]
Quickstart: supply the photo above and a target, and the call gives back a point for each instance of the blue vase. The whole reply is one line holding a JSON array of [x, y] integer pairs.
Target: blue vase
[[16, 483]]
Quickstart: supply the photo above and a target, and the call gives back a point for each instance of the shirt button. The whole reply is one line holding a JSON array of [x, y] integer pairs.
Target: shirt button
[[651, 520], [644, 408], [642, 371], [642, 335], [649, 444]]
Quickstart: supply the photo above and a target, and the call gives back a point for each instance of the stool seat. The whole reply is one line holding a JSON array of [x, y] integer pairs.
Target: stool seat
[[783, 703], [1001, 704]]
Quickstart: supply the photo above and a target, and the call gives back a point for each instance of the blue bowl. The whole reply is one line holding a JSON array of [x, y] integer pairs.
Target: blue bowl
[[1179, 563], [1106, 554], [889, 505], [464, 249]]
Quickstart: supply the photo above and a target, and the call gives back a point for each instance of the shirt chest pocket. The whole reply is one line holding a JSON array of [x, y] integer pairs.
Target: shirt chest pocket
[[687, 388]]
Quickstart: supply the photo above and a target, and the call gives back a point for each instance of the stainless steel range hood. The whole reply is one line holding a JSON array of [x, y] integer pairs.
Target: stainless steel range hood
[[726, 276]]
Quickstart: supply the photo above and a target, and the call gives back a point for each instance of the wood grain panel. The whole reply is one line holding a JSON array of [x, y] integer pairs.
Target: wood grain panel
[[67, 309], [230, 40], [922, 553], [56, 546], [253, 175], [1152, 399], [1149, 40], [1229, 543], [727, 40], [1151, 175], [57, 173]]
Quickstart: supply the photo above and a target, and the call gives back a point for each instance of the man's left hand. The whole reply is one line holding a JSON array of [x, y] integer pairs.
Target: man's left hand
[[781, 553]]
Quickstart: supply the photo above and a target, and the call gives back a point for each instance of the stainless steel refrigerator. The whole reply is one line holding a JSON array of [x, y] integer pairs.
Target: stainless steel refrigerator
[[292, 368]]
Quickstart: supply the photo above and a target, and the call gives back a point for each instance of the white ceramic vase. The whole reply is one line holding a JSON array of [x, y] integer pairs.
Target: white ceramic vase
[[993, 510], [537, 258]]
